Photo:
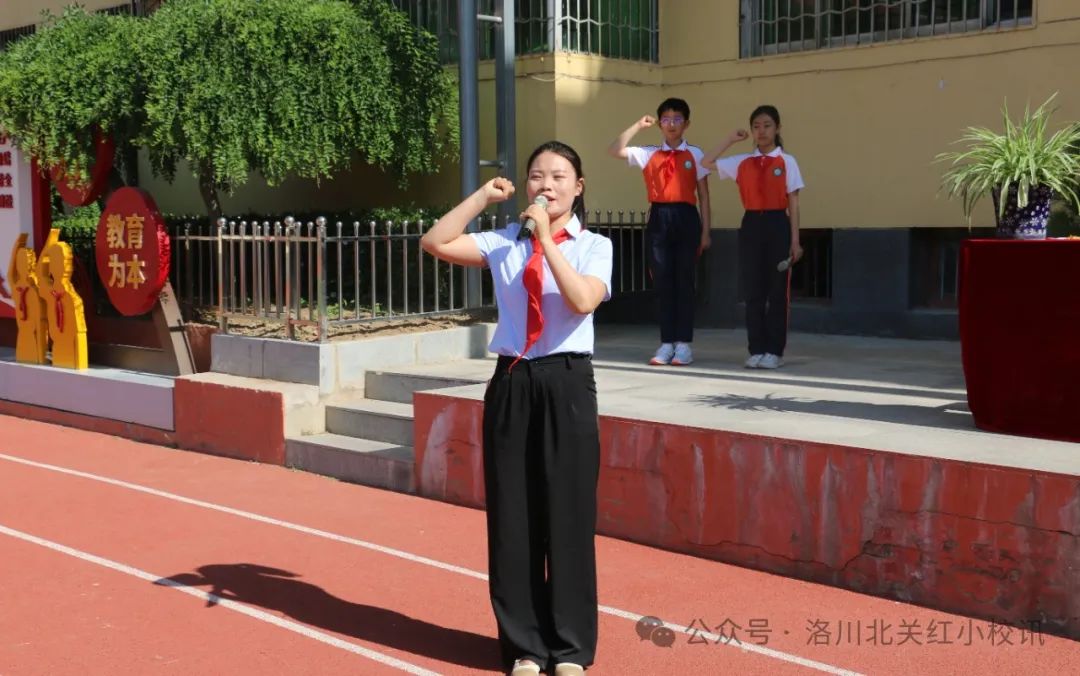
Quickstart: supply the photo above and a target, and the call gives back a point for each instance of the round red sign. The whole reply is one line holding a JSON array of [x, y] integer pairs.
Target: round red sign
[[132, 251]]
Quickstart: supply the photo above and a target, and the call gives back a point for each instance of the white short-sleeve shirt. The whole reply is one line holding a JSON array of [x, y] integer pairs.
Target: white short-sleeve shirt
[[728, 167], [639, 156], [564, 330]]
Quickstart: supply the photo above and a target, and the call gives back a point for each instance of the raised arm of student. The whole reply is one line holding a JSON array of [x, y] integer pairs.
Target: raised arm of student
[[617, 148], [732, 138], [581, 292], [447, 239]]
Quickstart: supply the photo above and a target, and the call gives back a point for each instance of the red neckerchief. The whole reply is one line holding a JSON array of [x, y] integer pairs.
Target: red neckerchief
[[58, 299], [22, 291], [533, 277]]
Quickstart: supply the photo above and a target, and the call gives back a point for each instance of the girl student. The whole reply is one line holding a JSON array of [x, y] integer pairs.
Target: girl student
[[769, 182], [540, 426]]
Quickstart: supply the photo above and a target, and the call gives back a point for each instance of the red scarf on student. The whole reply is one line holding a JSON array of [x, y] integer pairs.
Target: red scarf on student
[[533, 278]]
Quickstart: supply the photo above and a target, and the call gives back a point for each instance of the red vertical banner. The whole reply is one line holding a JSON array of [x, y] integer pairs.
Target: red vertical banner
[[18, 214]]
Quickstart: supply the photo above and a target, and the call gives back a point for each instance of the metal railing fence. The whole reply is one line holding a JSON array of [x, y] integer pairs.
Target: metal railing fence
[[327, 276]]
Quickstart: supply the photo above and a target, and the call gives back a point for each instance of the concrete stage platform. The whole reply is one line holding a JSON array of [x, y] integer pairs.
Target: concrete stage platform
[[900, 396], [109, 400], [856, 465]]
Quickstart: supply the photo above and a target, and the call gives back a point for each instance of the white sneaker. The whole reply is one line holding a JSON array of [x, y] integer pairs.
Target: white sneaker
[[663, 355], [683, 355], [754, 361], [770, 361], [525, 667]]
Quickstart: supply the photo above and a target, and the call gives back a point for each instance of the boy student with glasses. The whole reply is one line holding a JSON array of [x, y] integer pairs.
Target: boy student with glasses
[[678, 228]]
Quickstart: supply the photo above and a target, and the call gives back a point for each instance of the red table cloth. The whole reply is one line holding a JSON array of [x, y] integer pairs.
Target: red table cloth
[[1019, 309]]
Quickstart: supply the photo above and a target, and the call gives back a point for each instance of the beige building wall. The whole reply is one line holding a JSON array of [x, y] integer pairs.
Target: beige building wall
[[19, 13], [866, 122], [597, 99]]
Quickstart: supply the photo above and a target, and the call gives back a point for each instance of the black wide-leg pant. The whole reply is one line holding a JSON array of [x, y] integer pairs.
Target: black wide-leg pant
[[541, 466]]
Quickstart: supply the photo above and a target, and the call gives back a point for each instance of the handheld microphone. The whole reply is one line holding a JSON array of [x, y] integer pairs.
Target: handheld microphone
[[529, 226], [784, 264]]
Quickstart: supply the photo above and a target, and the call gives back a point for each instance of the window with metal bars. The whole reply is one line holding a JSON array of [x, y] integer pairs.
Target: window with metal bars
[[9, 36], [619, 29], [811, 279], [781, 26], [125, 9]]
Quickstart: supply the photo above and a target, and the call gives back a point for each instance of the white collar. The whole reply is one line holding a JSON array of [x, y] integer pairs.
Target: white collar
[[573, 226], [775, 152], [682, 146]]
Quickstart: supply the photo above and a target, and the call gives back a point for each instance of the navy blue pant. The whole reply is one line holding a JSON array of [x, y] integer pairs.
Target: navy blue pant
[[764, 241], [672, 238]]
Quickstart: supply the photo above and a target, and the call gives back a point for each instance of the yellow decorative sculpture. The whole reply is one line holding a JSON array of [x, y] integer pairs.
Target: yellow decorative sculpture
[[67, 323], [30, 315]]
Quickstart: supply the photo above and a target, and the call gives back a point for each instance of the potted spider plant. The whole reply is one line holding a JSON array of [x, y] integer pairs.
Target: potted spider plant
[[1016, 303], [1023, 169]]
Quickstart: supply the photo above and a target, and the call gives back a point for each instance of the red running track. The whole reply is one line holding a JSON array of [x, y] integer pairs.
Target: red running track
[[124, 558]]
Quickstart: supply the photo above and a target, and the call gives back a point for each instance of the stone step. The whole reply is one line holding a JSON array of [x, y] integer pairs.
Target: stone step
[[360, 461], [399, 387], [386, 421]]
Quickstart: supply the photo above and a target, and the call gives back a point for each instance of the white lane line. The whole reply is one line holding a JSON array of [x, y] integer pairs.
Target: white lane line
[[615, 612], [254, 517], [260, 615]]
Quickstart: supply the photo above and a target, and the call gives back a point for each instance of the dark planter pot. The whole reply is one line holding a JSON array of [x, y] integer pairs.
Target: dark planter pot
[[1027, 223]]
